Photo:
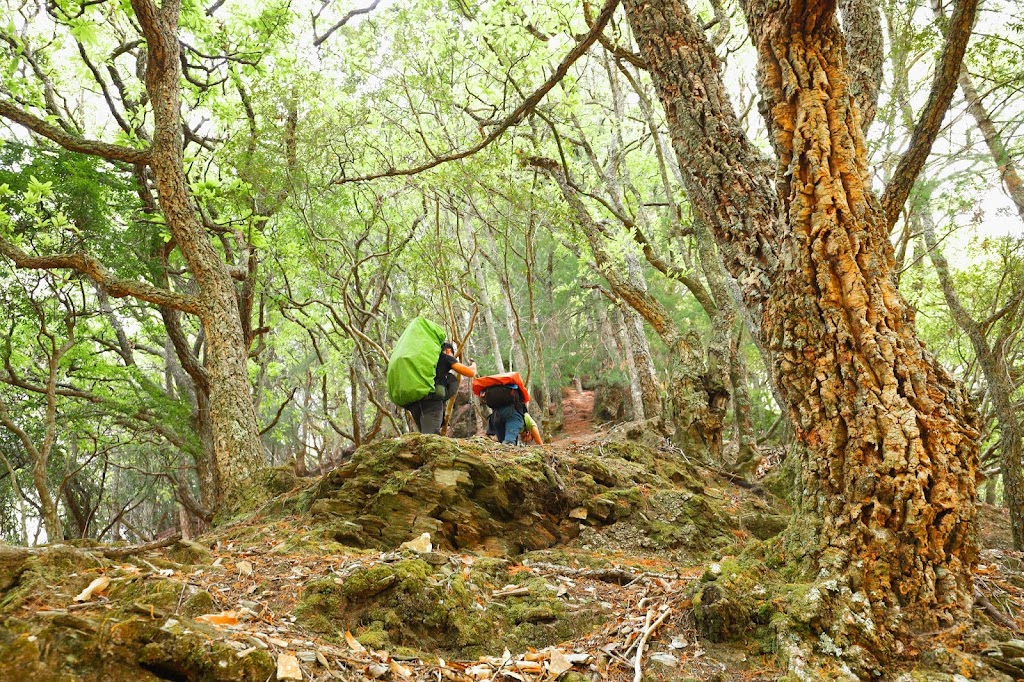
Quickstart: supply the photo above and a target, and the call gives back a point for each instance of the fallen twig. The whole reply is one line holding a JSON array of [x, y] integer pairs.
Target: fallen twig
[[995, 614], [620, 576], [638, 673]]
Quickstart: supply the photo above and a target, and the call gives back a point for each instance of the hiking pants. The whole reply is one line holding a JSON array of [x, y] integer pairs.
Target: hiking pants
[[428, 414], [513, 420]]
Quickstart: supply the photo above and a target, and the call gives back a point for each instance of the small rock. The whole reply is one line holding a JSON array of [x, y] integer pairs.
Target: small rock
[[377, 670], [255, 641], [279, 642], [306, 656], [677, 643], [1013, 648], [245, 652], [288, 668], [558, 663], [667, 660], [419, 545], [579, 513], [169, 624]]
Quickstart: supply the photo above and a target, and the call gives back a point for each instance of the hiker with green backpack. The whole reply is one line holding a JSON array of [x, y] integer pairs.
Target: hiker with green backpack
[[420, 373]]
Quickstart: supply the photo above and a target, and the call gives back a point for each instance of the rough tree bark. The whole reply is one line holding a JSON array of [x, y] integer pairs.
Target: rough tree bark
[[889, 437], [237, 449]]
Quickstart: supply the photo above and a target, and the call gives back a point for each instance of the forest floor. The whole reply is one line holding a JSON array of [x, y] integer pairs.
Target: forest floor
[[600, 591]]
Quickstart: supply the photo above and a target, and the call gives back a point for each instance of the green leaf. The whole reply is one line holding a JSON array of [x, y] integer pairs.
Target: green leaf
[[38, 188]]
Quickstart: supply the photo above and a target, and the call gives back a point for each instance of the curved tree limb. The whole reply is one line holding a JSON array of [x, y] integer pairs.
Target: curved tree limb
[[930, 121], [616, 50], [522, 110], [94, 270], [649, 307], [111, 152], [319, 39]]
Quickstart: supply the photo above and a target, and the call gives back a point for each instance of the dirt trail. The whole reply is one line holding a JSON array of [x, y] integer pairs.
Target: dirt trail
[[578, 408]]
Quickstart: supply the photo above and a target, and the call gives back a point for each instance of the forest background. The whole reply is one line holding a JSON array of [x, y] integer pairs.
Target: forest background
[[217, 220]]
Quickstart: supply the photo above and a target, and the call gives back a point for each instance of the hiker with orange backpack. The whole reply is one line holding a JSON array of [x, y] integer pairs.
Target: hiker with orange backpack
[[507, 396]]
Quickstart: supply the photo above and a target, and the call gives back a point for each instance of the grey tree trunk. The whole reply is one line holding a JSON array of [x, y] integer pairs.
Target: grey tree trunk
[[626, 330], [650, 391], [484, 297], [237, 450], [998, 382]]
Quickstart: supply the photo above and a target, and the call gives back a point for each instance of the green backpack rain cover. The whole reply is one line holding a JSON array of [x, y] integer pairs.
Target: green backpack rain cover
[[414, 362]]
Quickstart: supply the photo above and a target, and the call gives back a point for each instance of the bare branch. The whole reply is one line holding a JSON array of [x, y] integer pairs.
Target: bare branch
[[522, 110], [318, 40], [930, 121], [280, 410]]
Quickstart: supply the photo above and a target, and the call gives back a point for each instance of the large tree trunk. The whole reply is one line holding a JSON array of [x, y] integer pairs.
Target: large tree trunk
[[890, 449], [237, 450]]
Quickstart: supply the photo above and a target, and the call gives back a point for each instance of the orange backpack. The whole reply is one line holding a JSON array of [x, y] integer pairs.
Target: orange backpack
[[480, 384]]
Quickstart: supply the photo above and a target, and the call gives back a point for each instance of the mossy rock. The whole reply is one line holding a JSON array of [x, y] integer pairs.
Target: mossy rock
[[420, 606], [720, 615], [12, 564], [62, 568], [280, 479], [198, 604], [474, 495], [190, 656], [74, 648], [399, 604], [190, 553], [763, 525]]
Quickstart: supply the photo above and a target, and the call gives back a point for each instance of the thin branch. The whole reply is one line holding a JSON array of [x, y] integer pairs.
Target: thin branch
[[280, 411], [930, 122], [522, 110], [318, 40]]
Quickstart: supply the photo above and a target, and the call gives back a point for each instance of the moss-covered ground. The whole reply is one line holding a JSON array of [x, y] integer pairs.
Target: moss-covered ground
[[574, 550]]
